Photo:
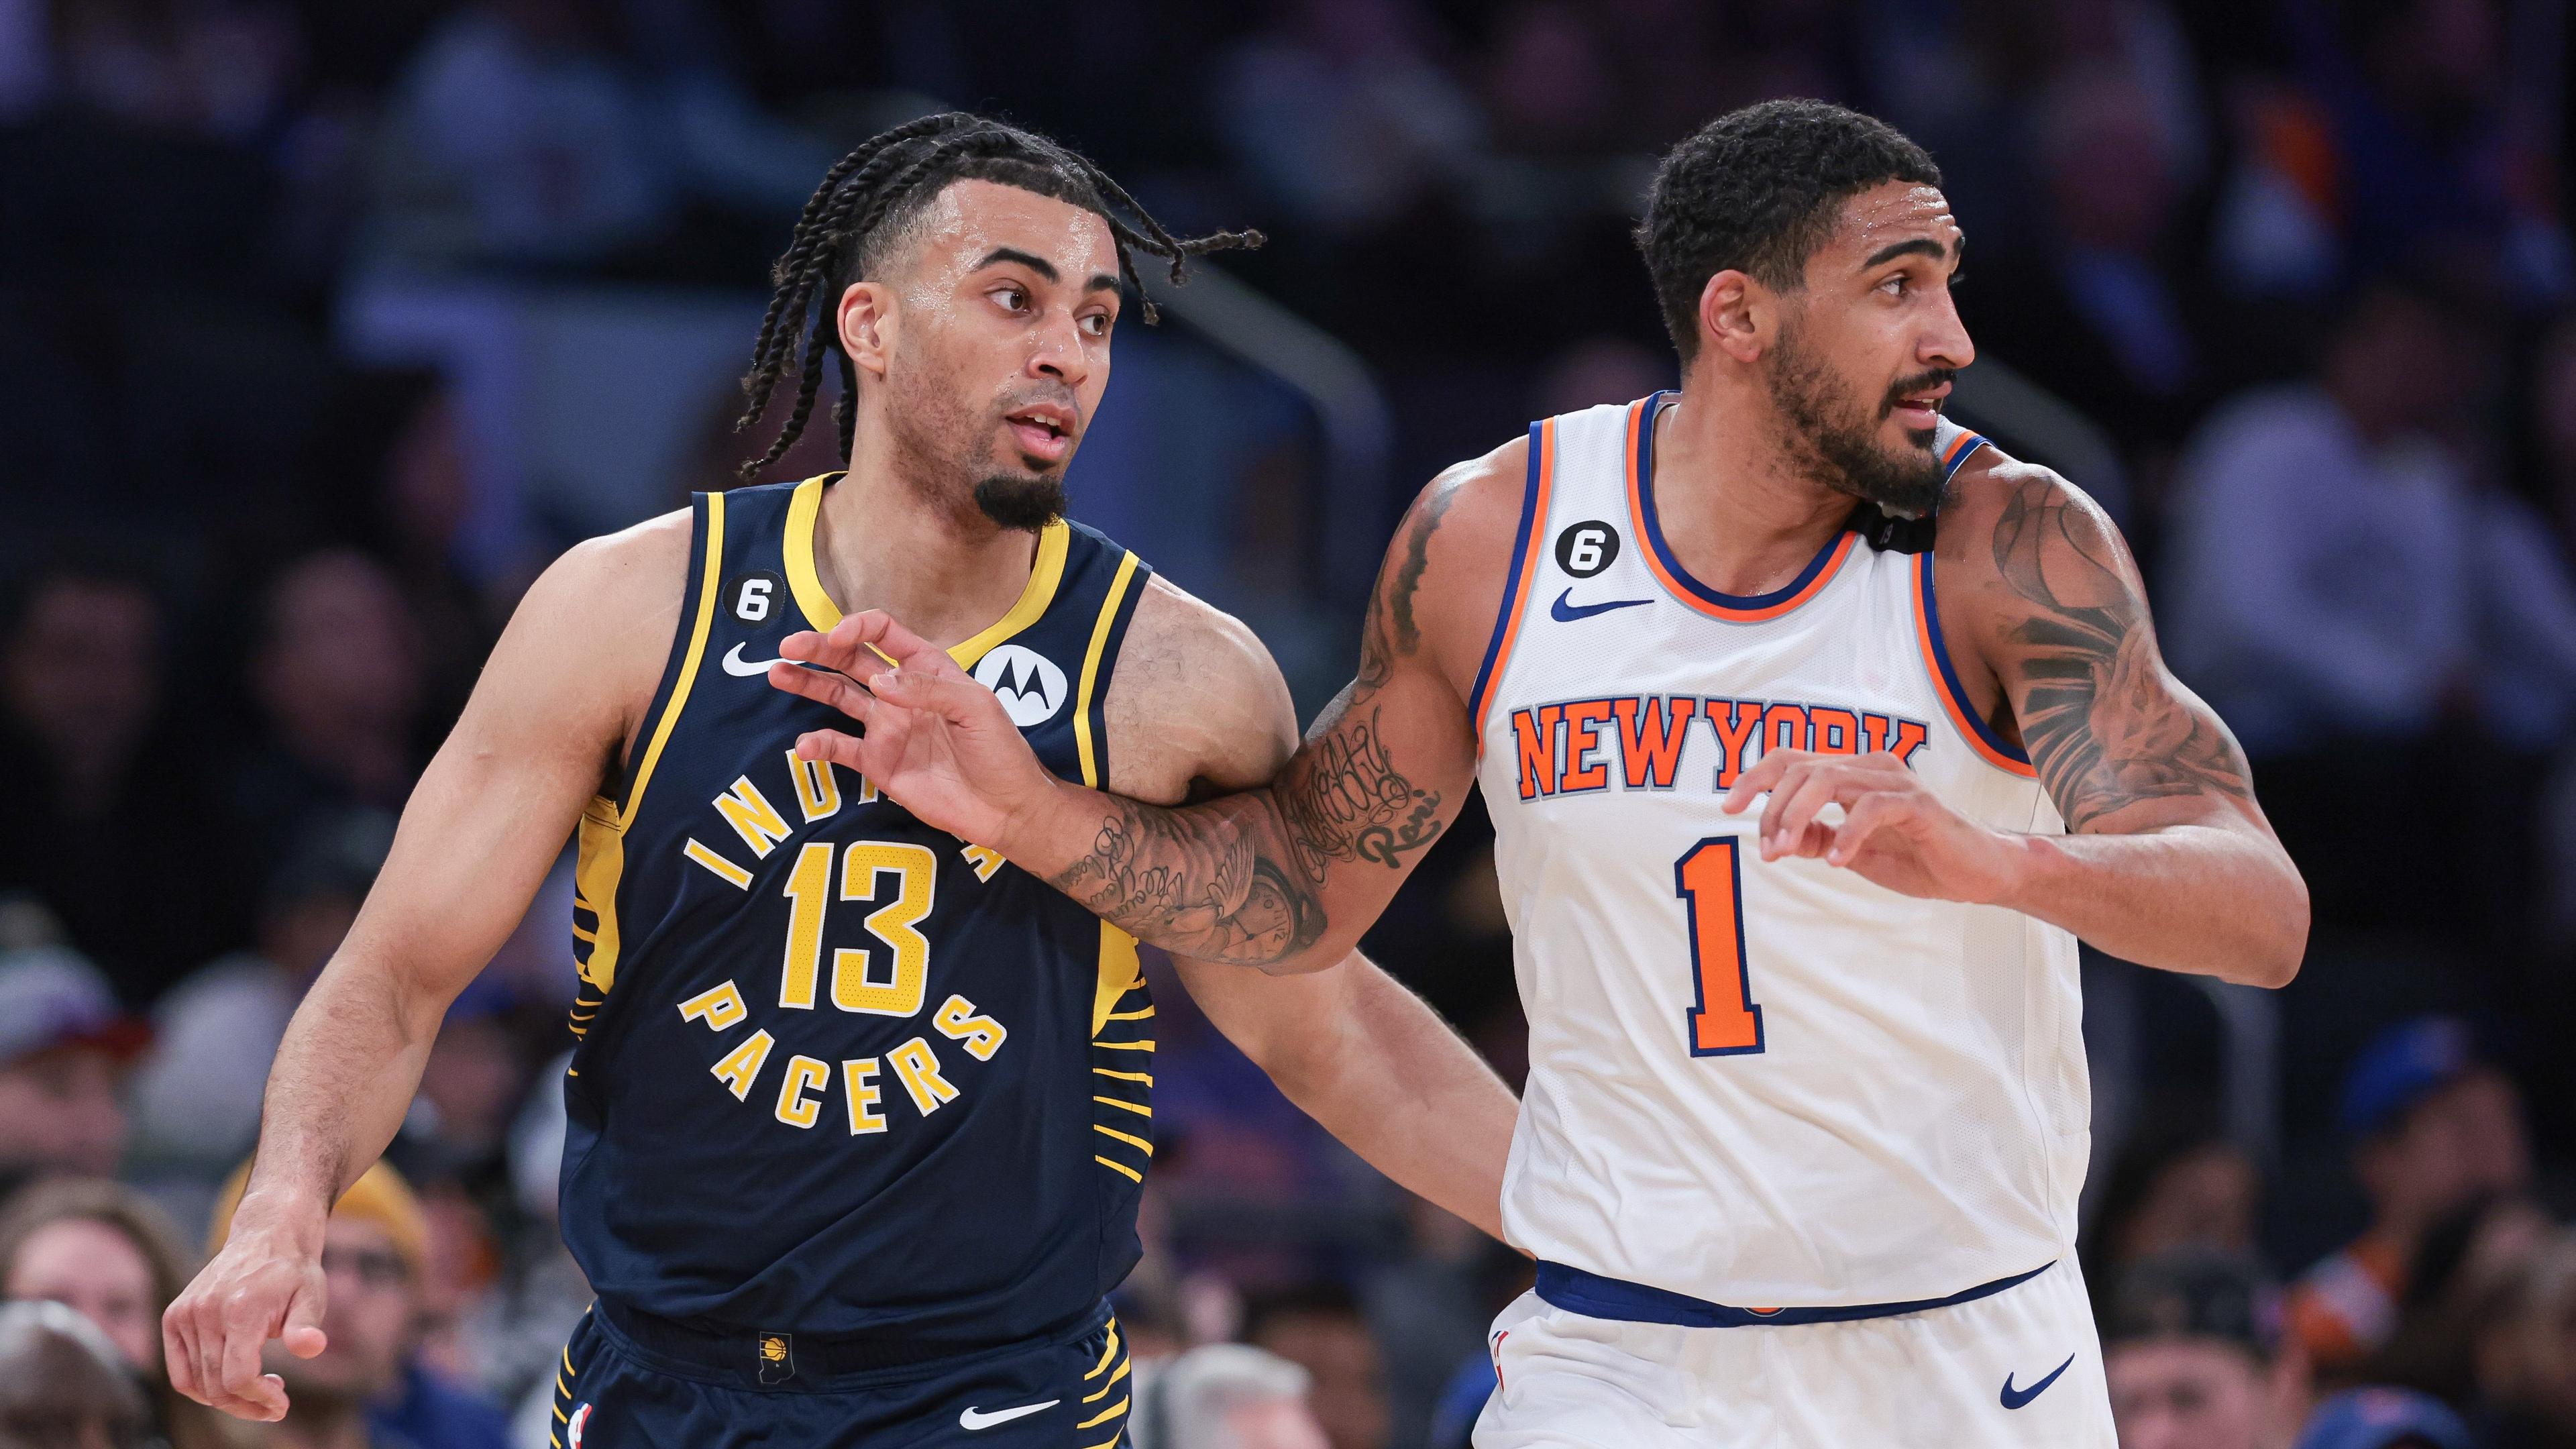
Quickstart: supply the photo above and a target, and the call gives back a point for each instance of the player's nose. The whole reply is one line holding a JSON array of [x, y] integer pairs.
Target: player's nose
[[1057, 352], [1947, 343]]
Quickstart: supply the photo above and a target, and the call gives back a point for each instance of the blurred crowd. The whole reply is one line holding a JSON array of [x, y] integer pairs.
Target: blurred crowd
[[2288, 284]]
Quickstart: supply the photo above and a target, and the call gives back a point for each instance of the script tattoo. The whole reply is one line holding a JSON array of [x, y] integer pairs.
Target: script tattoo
[[1345, 801], [2104, 724], [1240, 878]]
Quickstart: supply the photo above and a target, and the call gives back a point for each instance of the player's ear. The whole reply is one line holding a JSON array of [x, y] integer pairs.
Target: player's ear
[[1735, 316], [867, 325]]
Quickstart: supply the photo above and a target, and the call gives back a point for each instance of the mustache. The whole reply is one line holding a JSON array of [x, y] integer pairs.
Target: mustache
[[1896, 393]]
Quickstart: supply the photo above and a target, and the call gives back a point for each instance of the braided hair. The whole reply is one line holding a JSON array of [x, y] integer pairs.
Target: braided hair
[[870, 195]]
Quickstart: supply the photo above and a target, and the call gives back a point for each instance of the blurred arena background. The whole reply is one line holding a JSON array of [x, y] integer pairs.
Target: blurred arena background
[[324, 326]]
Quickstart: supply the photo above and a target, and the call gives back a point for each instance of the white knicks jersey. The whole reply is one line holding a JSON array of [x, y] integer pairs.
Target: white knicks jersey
[[1756, 1083]]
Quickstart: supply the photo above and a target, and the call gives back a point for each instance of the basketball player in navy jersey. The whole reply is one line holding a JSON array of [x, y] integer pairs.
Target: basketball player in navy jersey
[[1806, 1116], [859, 1111]]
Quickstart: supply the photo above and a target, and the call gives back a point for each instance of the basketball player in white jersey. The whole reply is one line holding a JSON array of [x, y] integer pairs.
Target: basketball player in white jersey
[[1815, 733]]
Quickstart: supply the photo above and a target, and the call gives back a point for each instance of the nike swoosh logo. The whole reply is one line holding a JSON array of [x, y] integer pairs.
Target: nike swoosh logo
[[1565, 612], [2014, 1398], [975, 1418], [735, 664]]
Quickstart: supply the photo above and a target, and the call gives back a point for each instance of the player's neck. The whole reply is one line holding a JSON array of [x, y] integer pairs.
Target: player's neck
[[1733, 505], [883, 541]]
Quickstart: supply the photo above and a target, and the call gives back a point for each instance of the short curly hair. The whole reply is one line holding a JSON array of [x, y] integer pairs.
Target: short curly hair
[[1755, 191]]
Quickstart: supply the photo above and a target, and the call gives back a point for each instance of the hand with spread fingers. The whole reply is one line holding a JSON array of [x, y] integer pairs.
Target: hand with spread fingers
[[931, 738], [1894, 830]]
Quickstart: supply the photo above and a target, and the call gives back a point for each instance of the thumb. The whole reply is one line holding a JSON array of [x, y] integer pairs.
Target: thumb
[[303, 1335]]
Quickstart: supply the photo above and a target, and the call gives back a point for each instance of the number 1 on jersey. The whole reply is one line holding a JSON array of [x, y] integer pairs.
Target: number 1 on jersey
[[1725, 1022]]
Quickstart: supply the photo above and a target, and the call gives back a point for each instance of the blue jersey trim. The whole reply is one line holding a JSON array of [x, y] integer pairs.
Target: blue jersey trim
[[1653, 528], [1594, 1296], [1950, 676], [1511, 577]]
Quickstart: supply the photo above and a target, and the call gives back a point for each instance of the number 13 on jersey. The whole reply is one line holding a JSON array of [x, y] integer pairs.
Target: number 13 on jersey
[[1725, 1022]]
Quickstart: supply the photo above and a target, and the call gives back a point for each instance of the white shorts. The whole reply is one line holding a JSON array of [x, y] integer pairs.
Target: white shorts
[[2021, 1367]]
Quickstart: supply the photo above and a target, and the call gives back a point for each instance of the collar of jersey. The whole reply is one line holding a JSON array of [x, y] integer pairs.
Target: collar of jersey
[[821, 613], [1716, 603]]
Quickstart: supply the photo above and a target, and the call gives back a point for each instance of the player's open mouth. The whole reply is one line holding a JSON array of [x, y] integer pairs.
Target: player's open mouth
[[1044, 432], [1920, 408]]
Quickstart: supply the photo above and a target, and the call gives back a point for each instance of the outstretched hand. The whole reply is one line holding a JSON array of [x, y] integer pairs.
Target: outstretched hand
[[1893, 829], [930, 737]]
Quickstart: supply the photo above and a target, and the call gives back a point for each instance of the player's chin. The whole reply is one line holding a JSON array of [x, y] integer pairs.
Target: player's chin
[[1908, 433]]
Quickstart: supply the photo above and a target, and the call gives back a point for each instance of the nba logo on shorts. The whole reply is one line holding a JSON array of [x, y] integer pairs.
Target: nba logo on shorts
[[573, 1427]]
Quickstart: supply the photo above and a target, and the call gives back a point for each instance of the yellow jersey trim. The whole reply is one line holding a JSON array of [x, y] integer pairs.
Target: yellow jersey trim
[[710, 578], [1082, 743], [1120, 972], [803, 581]]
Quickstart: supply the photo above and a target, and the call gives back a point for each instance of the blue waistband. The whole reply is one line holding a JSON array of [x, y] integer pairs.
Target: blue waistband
[[1594, 1296]]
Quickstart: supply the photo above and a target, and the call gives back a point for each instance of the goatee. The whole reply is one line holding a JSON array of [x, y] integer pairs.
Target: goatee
[[1025, 501]]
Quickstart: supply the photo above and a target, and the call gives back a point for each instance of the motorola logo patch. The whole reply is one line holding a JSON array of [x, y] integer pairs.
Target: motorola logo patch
[[1028, 683]]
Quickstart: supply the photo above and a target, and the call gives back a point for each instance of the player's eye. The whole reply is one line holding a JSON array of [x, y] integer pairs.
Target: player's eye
[[1013, 299], [1096, 324], [1895, 286]]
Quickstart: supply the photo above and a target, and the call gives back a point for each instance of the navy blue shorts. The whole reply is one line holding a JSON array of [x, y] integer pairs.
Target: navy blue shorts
[[1066, 1392]]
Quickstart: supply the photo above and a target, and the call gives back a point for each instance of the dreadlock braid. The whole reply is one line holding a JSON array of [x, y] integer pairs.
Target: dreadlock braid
[[870, 194]]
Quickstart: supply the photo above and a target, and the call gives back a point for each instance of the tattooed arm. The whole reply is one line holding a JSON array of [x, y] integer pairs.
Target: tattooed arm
[[2168, 861], [1284, 877]]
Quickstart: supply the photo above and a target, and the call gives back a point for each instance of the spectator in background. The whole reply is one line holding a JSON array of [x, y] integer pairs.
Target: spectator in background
[[2385, 1419], [2526, 1357], [64, 1050], [100, 1248], [1225, 1396], [2435, 1128], [2095, 315], [83, 776], [570, 131], [2341, 592], [365, 1387], [1343, 112], [2434, 159], [1320, 1329], [61, 1383], [2464, 1270], [337, 675], [2320, 588], [2193, 1349], [197, 1095], [2171, 1188]]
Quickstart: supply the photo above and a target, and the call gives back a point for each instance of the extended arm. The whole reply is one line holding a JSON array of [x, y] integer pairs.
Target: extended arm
[[1378, 1069], [477, 837], [1284, 877], [2168, 861]]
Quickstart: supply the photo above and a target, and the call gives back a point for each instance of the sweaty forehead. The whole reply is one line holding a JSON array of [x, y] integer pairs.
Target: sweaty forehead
[[1893, 212], [972, 219]]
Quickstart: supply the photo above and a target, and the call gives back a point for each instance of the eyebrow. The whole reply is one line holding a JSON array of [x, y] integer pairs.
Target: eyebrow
[[1918, 246], [1100, 281]]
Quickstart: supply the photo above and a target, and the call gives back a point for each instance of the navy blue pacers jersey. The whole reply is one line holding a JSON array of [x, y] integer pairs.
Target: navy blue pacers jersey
[[839, 1072]]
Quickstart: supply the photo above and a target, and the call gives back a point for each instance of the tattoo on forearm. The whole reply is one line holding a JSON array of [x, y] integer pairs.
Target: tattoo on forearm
[[1240, 879], [1344, 801], [2098, 717]]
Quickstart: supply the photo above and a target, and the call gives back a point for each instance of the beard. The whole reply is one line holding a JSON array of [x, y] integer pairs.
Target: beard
[[1835, 438], [1025, 501], [942, 442]]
